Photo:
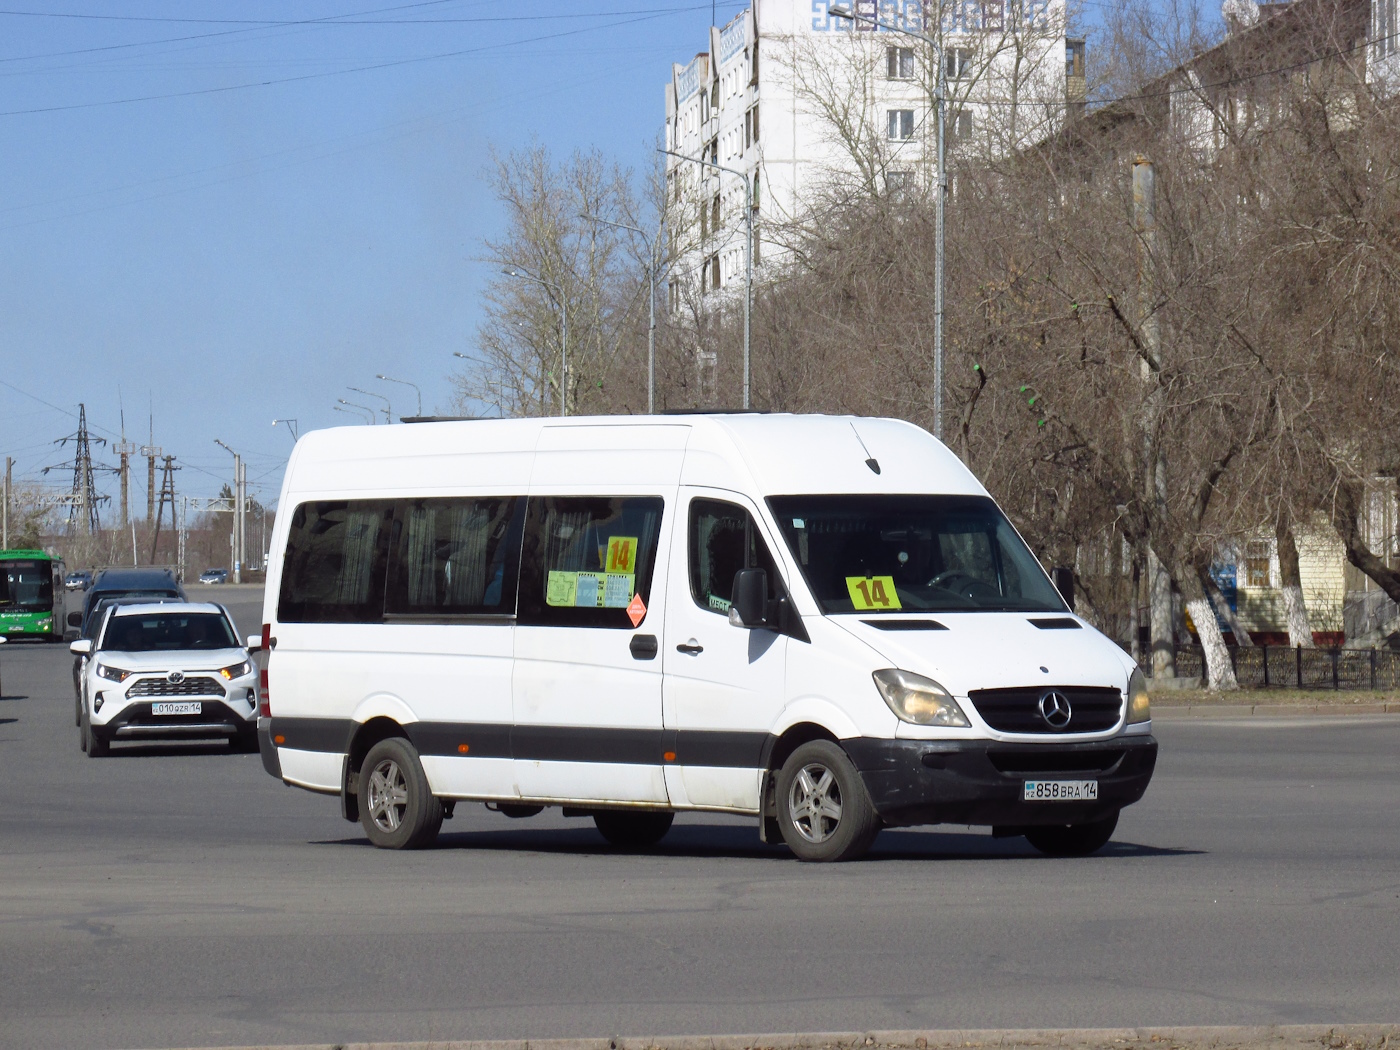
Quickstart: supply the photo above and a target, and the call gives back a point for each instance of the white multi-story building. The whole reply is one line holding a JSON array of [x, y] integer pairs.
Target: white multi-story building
[[813, 108]]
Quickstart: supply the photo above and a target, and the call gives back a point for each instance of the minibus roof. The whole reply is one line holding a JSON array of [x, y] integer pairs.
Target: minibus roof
[[765, 453]]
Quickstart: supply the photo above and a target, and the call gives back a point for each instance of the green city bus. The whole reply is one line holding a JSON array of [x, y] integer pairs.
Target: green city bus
[[31, 595]]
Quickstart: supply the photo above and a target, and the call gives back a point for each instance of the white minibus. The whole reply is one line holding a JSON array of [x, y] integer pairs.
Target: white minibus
[[822, 622]]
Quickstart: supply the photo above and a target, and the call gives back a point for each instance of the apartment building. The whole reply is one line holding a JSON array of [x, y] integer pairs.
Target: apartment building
[[811, 108]]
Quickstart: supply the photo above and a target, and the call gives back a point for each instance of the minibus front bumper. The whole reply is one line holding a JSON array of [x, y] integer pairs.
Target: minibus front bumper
[[983, 781]]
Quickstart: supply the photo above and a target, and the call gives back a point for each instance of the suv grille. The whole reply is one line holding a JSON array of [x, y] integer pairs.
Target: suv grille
[[189, 687], [1018, 710]]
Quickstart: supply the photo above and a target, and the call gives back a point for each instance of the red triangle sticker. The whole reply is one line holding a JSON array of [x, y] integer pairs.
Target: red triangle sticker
[[636, 610]]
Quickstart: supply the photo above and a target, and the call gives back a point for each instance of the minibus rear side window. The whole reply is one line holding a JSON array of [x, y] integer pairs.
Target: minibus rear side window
[[723, 540], [334, 569], [455, 557], [586, 558]]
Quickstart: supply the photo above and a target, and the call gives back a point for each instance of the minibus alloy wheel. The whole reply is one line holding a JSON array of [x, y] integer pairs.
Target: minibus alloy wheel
[[635, 829], [397, 807], [824, 811], [1073, 840]]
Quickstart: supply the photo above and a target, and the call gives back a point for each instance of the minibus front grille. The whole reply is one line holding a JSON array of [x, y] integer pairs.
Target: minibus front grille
[[200, 686], [1091, 710]]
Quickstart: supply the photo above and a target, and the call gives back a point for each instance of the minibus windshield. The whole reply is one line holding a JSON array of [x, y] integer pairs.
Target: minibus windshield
[[888, 554]]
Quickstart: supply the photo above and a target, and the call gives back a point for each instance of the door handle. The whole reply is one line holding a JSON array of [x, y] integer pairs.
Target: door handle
[[690, 648], [644, 647]]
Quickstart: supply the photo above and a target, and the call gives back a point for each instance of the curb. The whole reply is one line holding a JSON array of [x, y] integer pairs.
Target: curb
[[1331, 1037], [1171, 711]]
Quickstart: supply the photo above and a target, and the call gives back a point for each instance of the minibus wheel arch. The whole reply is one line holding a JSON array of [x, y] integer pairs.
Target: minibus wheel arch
[[780, 748], [363, 738]]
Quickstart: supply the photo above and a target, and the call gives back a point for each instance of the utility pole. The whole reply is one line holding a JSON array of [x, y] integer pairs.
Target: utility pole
[[940, 104], [748, 255], [167, 495], [1159, 586], [240, 481]]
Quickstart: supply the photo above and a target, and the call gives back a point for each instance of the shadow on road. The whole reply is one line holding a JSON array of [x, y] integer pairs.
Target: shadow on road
[[7, 721], [709, 841], [162, 750]]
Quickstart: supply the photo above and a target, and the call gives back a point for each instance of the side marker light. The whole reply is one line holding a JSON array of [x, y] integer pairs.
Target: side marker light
[[669, 756], [462, 749], [279, 739]]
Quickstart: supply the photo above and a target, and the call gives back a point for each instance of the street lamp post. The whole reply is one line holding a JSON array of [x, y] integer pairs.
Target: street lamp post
[[748, 250], [388, 408], [291, 425], [564, 332], [940, 98], [338, 408], [240, 486], [362, 408], [651, 243], [405, 382]]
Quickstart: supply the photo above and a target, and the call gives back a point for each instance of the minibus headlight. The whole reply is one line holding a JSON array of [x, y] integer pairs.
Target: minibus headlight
[[1139, 706], [112, 674], [920, 700], [236, 670]]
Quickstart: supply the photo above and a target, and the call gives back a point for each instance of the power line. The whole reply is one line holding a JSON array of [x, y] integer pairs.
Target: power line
[[225, 89]]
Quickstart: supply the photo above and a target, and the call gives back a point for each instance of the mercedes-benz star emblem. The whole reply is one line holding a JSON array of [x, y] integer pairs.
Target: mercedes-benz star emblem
[[176, 677], [1054, 708]]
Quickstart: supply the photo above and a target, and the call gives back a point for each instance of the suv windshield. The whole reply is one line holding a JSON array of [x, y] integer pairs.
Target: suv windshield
[[150, 632], [877, 554], [26, 585]]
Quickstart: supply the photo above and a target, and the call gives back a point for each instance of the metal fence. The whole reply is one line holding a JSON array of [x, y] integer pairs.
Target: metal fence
[[1278, 666]]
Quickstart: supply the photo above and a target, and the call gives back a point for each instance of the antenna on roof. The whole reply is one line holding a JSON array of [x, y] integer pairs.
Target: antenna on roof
[[871, 461]]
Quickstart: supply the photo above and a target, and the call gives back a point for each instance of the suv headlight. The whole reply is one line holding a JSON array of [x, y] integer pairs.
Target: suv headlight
[[112, 674], [237, 670], [1139, 705], [922, 701]]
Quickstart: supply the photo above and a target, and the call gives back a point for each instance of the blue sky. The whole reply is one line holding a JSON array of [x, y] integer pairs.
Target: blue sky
[[226, 211], [232, 256]]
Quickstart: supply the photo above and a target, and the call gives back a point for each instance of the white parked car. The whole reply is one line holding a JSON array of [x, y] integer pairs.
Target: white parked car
[[824, 623], [166, 671]]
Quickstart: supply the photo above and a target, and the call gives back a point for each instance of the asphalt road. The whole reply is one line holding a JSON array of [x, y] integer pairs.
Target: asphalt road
[[171, 896]]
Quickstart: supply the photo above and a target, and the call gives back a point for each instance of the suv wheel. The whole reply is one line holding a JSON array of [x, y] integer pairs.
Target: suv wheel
[[397, 807], [824, 811], [94, 745]]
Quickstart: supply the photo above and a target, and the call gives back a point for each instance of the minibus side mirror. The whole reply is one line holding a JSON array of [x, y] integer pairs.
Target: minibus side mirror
[[75, 619], [750, 605], [1064, 583]]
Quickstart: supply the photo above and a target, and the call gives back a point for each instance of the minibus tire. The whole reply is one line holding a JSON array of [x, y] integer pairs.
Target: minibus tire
[[416, 823], [1073, 840], [856, 824], [633, 830]]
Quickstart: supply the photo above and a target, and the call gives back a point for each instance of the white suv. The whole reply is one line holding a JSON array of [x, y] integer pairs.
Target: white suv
[[173, 670]]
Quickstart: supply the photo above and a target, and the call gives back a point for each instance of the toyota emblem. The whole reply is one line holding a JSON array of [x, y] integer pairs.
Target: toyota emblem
[[1054, 708], [176, 677]]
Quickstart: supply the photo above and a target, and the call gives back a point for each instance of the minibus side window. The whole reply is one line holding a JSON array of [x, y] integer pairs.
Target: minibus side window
[[455, 557], [337, 553], [723, 540], [586, 558]]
